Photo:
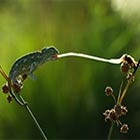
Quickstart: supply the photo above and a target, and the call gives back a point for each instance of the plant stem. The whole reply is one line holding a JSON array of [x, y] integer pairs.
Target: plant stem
[[128, 83], [33, 117], [110, 131], [124, 92], [136, 67], [120, 91], [113, 97]]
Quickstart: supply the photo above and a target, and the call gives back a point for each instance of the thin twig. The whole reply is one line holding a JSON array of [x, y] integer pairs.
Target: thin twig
[[125, 90], [110, 130], [120, 91], [33, 117], [113, 97], [136, 67]]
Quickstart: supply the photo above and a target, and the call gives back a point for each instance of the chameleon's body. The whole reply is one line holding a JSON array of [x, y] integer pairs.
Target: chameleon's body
[[30, 62], [25, 66]]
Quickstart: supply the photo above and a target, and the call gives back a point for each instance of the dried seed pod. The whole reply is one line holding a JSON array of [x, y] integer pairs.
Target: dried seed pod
[[124, 110], [5, 88], [9, 98], [113, 115], [108, 91], [124, 128], [118, 110], [106, 114], [130, 60], [130, 76], [124, 67]]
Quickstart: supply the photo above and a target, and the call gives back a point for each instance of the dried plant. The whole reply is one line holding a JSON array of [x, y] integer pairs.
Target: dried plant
[[128, 67]]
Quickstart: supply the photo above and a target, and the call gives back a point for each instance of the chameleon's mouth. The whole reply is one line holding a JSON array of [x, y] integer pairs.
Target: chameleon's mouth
[[55, 56]]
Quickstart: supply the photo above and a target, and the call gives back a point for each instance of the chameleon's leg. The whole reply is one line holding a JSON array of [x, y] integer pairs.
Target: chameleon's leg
[[32, 68], [4, 74]]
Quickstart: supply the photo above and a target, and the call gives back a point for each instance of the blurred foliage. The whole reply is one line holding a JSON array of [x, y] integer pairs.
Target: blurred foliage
[[67, 96]]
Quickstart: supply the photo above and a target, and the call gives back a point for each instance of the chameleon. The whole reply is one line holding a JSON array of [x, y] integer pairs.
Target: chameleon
[[25, 66]]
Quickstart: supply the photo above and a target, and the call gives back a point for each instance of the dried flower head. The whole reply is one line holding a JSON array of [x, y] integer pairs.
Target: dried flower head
[[9, 98], [123, 110], [5, 88], [108, 91], [113, 115], [110, 115], [124, 128], [124, 67], [130, 60], [130, 76], [106, 114], [120, 110]]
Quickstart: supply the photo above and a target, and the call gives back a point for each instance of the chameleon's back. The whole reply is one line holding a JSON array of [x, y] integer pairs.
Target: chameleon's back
[[28, 63]]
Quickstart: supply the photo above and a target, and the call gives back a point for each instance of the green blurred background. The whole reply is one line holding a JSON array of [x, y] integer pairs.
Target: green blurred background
[[67, 96]]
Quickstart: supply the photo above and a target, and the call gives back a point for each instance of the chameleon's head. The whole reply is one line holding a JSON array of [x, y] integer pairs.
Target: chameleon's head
[[49, 53]]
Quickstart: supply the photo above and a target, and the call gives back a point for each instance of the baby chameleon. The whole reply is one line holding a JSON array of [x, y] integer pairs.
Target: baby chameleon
[[25, 66]]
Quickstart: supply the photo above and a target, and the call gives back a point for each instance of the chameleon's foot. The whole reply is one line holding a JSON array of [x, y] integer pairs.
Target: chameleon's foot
[[17, 87]]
